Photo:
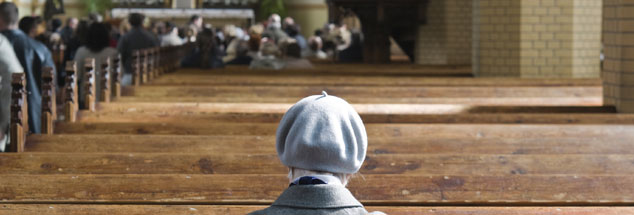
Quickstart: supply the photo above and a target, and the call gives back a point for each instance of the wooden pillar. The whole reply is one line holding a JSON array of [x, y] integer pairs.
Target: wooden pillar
[[49, 112], [115, 72], [71, 104], [104, 82], [19, 114], [89, 84]]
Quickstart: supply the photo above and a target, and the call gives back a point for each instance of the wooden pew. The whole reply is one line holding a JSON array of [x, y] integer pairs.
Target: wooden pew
[[350, 69], [370, 113], [96, 209], [137, 67], [478, 143], [19, 113], [230, 162], [116, 72], [373, 130], [71, 102], [49, 101], [595, 190], [230, 78], [104, 81], [90, 87], [148, 56], [534, 96]]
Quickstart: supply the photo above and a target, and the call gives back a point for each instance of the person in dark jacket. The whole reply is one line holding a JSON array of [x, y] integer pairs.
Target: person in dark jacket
[[137, 38], [323, 142], [33, 57]]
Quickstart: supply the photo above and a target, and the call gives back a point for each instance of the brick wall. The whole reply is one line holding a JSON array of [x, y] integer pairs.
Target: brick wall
[[497, 48], [537, 38], [446, 38], [618, 66]]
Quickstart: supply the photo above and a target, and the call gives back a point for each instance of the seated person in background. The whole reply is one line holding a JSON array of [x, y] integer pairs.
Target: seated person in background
[[207, 53], [97, 47], [32, 55], [323, 142], [315, 45], [170, 38], [242, 54], [9, 64], [293, 29], [267, 58], [293, 57], [137, 38]]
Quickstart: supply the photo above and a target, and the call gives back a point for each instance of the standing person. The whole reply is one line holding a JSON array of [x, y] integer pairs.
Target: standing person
[[137, 38], [32, 57], [67, 31], [97, 47], [323, 142], [9, 64], [195, 27]]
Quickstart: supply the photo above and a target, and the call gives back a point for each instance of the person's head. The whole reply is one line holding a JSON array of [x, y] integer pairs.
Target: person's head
[[30, 25], [196, 20], [315, 43], [324, 135], [72, 22], [95, 17], [99, 37], [8, 16], [292, 50], [56, 24], [136, 20], [242, 49], [275, 21]]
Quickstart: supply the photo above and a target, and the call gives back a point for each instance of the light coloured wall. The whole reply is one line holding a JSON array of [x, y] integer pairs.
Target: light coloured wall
[[446, 37], [618, 67], [310, 14], [538, 38], [35, 7]]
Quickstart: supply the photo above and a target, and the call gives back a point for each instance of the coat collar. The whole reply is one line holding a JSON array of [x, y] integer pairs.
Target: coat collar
[[318, 197]]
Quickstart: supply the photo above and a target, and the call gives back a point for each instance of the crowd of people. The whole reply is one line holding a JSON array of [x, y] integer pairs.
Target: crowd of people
[[27, 45]]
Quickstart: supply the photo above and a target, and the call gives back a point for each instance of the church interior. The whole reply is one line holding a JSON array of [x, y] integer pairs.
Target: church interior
[[505, 107]]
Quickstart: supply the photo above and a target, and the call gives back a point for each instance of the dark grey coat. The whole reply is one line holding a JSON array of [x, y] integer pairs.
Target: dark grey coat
[[315, 200]]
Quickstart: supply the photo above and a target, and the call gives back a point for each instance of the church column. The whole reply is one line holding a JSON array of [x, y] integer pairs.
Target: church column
[[537, 38], [445, 37], [618, 66]]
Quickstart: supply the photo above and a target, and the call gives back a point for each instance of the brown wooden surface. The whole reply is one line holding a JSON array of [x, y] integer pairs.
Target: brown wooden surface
[[11, 209], [167, 116], [363, 91], [369, 189], [348, 69], [228, 162], [194, 107], [504, 101], [431, 144], [373, 130], [353, 80]]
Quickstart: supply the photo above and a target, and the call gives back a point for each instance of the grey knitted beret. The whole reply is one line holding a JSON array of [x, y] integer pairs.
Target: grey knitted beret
[[322, 133]]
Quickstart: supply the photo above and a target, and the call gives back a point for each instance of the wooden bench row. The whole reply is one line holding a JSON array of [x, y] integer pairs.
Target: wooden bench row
[[423, 144], [384, 190], [110, 76], [228, 77], [229, 162], [96, 209], [373, 130]]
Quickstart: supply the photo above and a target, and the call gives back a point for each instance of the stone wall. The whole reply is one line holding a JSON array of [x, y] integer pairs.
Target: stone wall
[[618, 66]]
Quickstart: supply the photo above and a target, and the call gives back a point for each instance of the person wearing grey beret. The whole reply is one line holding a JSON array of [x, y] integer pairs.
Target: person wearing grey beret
[[323, 142]]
